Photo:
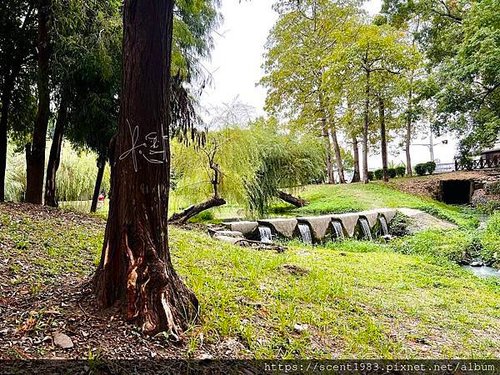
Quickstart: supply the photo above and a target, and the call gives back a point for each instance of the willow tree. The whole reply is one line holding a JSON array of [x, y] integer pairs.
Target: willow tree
[[135, 268]]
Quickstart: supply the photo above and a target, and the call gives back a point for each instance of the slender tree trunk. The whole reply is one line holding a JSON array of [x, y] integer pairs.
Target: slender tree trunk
[[366, 126], [338, 156], [135, 268], [191, 211], [101, 165], [289, 198], [330, 177], [36, 161], [55, 151], [409, 129], [383, 138], [355, 150], [6, 101]]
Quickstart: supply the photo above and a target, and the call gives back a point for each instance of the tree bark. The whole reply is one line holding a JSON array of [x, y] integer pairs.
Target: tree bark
[[366, 126], [409, 130], [36, 162], [6, 99], [55, 151], [355, 150], [338, 156], [383, 137], [101, 165], [330, 177], [191, 211], [7, 90], [289, 198], [135, 270]]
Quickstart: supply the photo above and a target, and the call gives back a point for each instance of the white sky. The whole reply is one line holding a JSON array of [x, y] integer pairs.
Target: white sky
[[238, 55]]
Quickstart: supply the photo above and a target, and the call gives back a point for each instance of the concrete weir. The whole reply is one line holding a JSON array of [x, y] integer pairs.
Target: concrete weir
[[281, 227], [321, 227]]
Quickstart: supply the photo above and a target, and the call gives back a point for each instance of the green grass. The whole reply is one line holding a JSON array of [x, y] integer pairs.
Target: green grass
[[359, 299], [325, 199]]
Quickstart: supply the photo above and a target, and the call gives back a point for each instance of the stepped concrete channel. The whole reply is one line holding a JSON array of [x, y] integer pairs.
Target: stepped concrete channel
[[364, 224]]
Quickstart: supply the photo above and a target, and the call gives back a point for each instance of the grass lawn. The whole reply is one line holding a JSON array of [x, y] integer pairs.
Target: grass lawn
[[358, 299]]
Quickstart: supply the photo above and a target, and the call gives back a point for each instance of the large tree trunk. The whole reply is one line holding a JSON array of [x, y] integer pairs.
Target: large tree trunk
[[101, 165], [135, 268], [355, 150], [36, 160], [289, 198], [383, 138], [330, 177], [338, 156], [366, 126], [55, 151], [191, 211]]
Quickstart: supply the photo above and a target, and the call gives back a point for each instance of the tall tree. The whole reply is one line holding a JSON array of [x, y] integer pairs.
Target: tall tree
[[35, 151], [296, 64], [17, 24], [135, 267]]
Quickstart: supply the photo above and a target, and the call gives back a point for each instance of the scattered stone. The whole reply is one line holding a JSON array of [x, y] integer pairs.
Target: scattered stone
[[205, 357], [294, 270], [476, 263], [299, 328], [62, 340]]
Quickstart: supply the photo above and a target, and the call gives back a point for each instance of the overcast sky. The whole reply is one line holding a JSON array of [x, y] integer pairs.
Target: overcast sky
[[236, 62]]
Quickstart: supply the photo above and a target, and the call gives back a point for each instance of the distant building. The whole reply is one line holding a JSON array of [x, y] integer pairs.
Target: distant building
[[492, 153]]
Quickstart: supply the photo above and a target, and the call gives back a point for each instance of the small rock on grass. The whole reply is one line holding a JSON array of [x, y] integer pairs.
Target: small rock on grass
[[299, 328], [62, 340]]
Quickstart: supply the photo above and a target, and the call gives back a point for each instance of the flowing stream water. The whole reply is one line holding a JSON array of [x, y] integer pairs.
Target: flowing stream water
[[266, 235], [338, 233], [305, 233], [483, 271], [365, 228], [383, 225]]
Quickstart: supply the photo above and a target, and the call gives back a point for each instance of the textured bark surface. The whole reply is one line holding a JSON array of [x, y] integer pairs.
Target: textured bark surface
[[289, 198], [55, 151], [135, 270], [191, 211], [356, 177], [330, 177], [366, 126], [35, 167], [338, 156], [383, 138], [101, 164]]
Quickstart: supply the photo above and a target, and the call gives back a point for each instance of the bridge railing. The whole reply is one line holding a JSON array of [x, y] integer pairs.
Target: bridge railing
[[480, 163]]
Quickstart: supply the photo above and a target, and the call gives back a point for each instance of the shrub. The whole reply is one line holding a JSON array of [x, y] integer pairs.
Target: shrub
[[379, 173], [400, 171], [490, 240], [430, 167], [392, 172], [493, 188], [370, 176], [420, 169], [450, 245]]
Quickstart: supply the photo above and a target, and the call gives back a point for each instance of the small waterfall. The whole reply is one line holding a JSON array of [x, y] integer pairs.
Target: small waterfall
[[305, 233], [365, 228], [338, 232], [266, 235], [383, 225]]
